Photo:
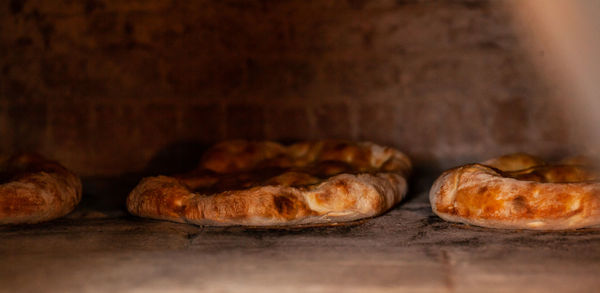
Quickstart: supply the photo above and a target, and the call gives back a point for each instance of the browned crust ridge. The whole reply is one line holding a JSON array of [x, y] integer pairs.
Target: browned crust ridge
[[540, 197], [352, 181], [35, 190]]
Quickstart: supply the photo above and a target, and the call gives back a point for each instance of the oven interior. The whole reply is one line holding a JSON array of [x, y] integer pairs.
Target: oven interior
[[120, 90]]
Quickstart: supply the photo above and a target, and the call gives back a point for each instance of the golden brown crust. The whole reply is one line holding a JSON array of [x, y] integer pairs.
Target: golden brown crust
[[240, 155], [581, 160], [546, 197], [268, 184], [513, 162], [35, 190]]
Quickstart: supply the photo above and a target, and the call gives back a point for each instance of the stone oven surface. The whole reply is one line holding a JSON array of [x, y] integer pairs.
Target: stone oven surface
[[99, 248]]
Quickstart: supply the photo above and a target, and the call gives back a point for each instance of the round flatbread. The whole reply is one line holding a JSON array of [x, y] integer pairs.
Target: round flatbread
[[542, 197], [34, 190], [269, 184]]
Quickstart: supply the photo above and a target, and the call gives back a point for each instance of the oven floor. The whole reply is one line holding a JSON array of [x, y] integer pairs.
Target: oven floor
[[99, 248]]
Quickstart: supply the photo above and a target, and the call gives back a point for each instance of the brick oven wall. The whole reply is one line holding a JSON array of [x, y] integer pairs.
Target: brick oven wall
[[109, 87]]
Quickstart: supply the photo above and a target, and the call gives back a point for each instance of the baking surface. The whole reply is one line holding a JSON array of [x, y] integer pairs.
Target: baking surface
[[99, 248]]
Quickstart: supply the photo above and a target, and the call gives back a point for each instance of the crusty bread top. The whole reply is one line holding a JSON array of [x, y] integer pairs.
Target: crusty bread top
[[547, 197], [35, 189], [513, 162], [242, 164], [269, 184], [239, 155], [556, 174]]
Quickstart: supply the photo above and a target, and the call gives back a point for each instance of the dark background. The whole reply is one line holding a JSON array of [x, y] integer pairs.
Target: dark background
[[109, 87]]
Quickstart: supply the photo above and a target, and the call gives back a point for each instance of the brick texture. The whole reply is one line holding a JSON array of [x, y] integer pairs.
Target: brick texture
[[28, 124], [108, 86], [289, 123], [203, 123], [333, 121], [245, 121]]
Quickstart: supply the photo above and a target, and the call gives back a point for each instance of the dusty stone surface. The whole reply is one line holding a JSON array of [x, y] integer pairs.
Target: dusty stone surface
[[99, 248]]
